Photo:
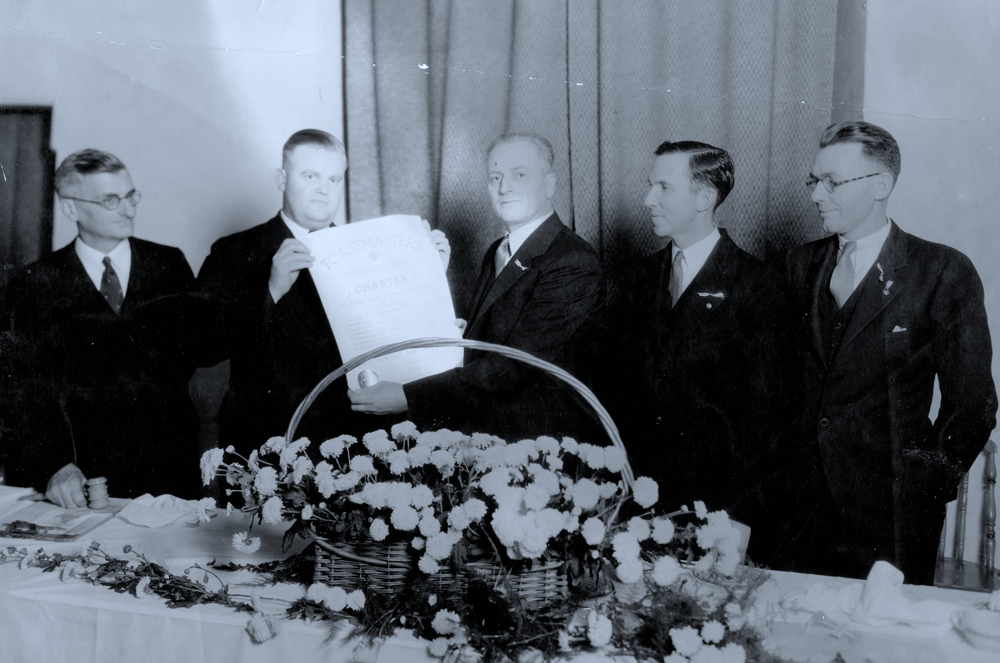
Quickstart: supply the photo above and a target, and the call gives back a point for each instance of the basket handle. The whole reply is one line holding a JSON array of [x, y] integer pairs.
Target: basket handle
[[513, 353]]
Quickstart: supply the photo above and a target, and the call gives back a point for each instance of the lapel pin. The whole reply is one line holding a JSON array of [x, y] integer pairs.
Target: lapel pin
[[518, 263], [881, 274], [887, 286]]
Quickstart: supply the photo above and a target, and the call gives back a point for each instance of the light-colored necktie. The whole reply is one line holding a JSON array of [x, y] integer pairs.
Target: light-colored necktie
[[842, 280], [111, 287], [676, 285], [502, 255]]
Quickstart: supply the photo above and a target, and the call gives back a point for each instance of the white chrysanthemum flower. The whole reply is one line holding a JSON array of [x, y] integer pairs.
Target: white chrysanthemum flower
[[421, 497], [614, 459], [687, 640], [252, 461], [733, 653], [438, 647], [593, 531], [446, 622], [666, 570], [271, 512], [201, 508], [324, 479], [584, 494], [291, 452], [266, 481], [398, 461], [599, 629], [547, 445], [700, 509], [536, 497], [262, 627], [356, 600], [363, 465], [334, 598], [335, 447], [570, 445], [646, 492], [429, 525], [443, 460], [626, 547], [275, 444], [475, 508], [428, 565], [663, 530], [246, 544], [713, 631], [210, 462], [638, 528], [307, 511], [404, 430], [378, 530], [440, 545], [630, 572], [592, 455], [420, 455], [417, 543], [378, 443], [142, 588], [404, 518], [301, 466], [344, 482]]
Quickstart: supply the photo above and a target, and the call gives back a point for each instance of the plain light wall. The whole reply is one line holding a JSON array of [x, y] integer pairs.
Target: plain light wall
[[931, 80], [195, 96]]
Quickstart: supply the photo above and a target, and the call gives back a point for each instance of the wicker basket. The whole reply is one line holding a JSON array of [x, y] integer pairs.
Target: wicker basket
[[388, 567]]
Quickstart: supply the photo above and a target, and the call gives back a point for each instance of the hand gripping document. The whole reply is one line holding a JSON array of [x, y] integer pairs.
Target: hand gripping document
[[381, 281]]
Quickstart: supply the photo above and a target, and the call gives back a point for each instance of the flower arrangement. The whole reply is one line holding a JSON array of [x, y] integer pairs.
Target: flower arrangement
[[456, 499]]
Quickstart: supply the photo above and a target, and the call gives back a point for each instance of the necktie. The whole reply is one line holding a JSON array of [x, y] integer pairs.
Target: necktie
[[842, 280], [676, 285], [502, 255], [111, 287]]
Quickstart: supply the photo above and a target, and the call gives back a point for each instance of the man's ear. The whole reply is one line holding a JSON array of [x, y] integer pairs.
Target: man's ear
[[884, 185], [550, 185], [280, 179], [706, 199], [68, 209]]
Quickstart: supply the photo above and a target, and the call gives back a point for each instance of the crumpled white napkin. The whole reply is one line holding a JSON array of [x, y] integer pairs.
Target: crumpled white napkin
[[163, 510], [878, 601]]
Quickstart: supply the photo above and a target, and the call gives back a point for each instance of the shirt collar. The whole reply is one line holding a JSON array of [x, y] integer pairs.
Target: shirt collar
[[521, 235], [697, 254], [873, 241], [298, 232], [93, 261]]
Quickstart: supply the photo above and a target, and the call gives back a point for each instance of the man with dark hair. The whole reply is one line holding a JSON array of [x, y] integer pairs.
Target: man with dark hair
[[269, 320], [538, 291], [105, 366], [703, 388], [884, 313]]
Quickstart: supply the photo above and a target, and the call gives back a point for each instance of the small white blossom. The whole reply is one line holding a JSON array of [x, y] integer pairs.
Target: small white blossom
[[445, 622], [210, 461], [356, 600], [404, 430], [307, 511], [266, 481], [363, 465], [638, 528], [262, 627], [379, 530], [646, 492], [201, 508], [599, 629], [271, 511], [687, 640], [246, 544], [428, 565], [663, 530], [333, 448], [713, 631], [700, 509], [438, 647], [593, 531], [666, 570], [378, 443]]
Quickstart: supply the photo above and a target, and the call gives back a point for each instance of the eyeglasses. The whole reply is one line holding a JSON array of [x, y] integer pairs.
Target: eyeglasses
[[830, 184], [110, 201]]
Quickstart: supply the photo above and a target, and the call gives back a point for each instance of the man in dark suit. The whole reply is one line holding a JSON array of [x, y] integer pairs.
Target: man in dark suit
[[102, 382], [269, 320], [703, 349], [538, 291], [884, 313]]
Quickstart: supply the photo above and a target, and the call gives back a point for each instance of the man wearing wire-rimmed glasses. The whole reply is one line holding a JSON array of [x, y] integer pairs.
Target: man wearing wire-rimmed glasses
[[100, 384], [883, 314]]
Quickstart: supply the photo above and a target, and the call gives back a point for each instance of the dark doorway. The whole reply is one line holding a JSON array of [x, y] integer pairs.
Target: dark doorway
[[27, 165]]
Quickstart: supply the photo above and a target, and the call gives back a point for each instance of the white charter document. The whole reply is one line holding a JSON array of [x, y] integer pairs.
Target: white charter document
[[381, 281]]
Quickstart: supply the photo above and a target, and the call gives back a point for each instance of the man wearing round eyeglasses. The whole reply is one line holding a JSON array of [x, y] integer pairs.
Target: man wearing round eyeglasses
[[883, 314], [104, 366]]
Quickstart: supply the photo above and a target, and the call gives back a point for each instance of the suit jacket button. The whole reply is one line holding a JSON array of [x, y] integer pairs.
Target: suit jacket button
[[824, 422], [837, 326]]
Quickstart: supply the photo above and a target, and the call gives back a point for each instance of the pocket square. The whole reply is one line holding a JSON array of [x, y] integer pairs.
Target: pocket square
[[897, 328], [720, 295]]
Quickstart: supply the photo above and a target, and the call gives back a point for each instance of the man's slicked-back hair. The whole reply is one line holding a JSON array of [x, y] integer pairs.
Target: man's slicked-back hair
[[710, 166], [876, 143], [85, 162], [312, 137], [544, 146]]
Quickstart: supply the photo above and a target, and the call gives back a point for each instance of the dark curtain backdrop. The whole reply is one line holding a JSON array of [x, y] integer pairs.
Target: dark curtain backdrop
[[26, 169], [429, 84]]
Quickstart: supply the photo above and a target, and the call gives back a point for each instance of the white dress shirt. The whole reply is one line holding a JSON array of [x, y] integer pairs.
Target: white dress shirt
[[866, 252], [521, 235], [695, 256], [93, 262]]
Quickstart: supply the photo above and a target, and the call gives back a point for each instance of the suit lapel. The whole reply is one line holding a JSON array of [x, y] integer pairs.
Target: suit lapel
[[876, 291], [520, 264], [303, 298], [77, 290], [137, 281], [821, 269]]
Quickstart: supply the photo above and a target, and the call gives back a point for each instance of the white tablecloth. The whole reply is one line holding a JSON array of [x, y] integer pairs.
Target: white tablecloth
[[46, 620]]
